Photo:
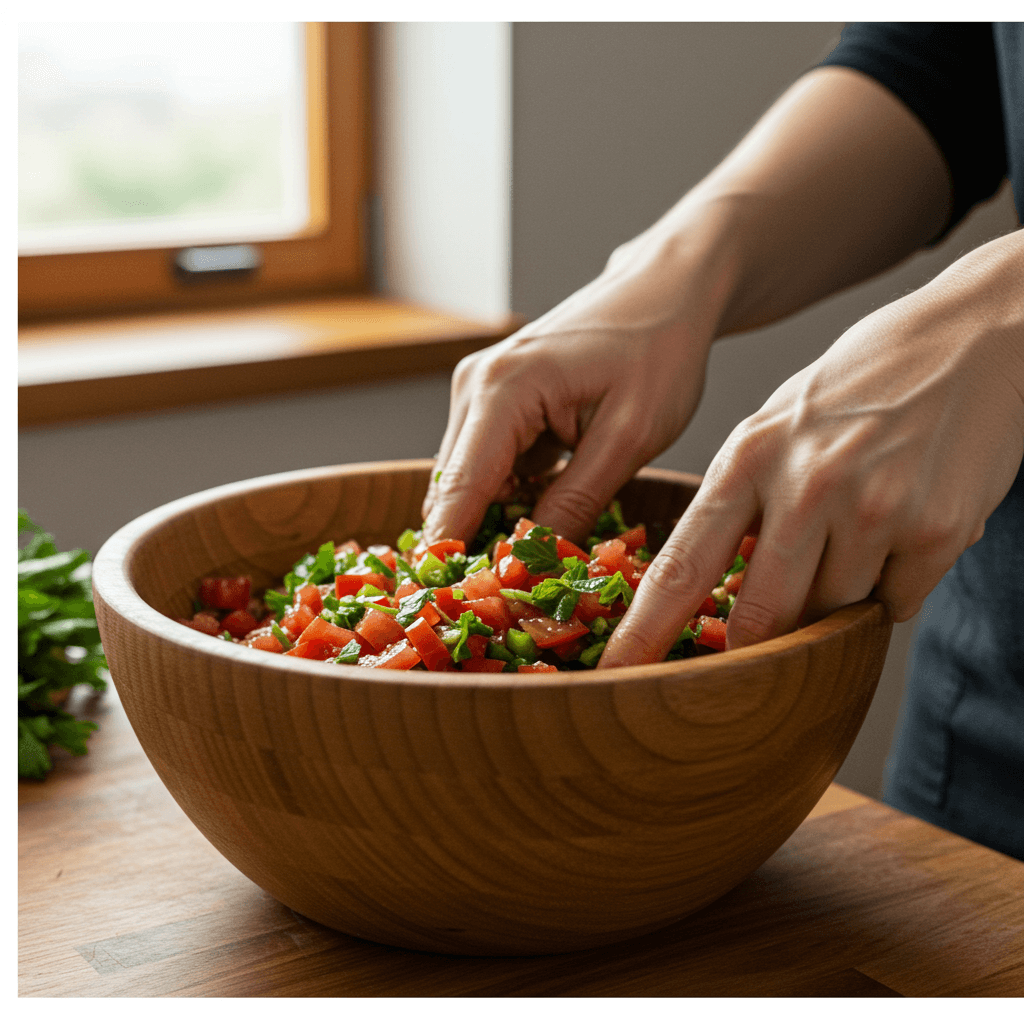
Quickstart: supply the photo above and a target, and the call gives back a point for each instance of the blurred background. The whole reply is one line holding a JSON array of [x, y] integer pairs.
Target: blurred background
[[508, 160]]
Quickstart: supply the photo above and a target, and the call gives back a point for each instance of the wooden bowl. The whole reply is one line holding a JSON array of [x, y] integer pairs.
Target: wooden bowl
[[474, 813]]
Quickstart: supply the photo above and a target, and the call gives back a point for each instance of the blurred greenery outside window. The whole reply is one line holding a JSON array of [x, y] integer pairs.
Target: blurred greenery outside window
[[137, 135]]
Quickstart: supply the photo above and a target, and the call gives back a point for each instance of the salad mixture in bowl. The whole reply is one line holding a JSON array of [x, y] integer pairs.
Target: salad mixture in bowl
[[520, 598]]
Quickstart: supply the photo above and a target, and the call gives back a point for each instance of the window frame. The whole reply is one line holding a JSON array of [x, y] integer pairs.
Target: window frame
[[330, 256]]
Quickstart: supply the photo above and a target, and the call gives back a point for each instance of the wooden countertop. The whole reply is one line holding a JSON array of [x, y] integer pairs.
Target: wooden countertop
[[121, 896]]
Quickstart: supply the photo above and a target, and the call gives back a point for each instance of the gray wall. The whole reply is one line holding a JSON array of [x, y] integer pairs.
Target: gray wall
[[611, 123]]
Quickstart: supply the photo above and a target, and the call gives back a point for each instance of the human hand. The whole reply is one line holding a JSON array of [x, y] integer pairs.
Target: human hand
[[614, 373], [868, 472]]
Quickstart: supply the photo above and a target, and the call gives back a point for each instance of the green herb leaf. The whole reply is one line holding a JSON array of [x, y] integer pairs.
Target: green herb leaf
[[349, 654], [538, 550], [467, 626], [616, 588], [411, 605], [276, 602]]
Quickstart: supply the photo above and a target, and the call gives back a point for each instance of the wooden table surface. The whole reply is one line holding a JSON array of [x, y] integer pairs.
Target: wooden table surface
[[121, 896]]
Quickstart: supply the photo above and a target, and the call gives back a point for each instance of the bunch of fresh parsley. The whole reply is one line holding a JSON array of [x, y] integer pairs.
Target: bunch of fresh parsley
[[58, 647]]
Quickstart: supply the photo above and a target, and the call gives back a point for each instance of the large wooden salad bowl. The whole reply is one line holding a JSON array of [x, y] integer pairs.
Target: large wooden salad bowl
[[466, 813]]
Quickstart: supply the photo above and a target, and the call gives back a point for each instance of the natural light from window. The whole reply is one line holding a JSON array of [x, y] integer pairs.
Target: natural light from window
[[149, 134]]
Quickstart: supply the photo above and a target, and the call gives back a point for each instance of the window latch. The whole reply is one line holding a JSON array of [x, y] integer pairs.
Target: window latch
[[216, 262]]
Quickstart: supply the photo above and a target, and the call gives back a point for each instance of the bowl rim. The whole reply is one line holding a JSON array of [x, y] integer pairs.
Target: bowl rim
[[115, 590]]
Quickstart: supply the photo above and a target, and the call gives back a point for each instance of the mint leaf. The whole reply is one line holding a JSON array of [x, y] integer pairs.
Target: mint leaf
[[616, 588], [349, 654], [538, 550], [467, 625], [276, 602]]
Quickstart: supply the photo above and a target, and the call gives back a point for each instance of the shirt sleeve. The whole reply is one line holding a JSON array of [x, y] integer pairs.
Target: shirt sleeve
[[946, 74]]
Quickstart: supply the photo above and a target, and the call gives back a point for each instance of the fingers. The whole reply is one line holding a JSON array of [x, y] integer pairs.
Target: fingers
[[693, 559], [606, 457]]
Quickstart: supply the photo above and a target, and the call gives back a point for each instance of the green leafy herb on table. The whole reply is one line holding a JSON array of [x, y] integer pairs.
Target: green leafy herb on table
[[58, 647]]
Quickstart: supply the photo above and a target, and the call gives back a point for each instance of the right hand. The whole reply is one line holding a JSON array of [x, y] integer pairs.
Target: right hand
[[613, 373]]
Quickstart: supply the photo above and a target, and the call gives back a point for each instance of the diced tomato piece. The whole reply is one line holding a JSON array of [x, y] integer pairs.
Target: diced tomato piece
[[205, 622], [570, 650], [533, 580], [566, 549], [477, 644], [537, 666], [519, 610], [444, 600], [310, 597], [482, 583], [589, 607], [612, 555], [443, 548], [492, 611], [734, 582], [407, 588], [512, 572], [428, 644], [549, 632], [502, 548], [321, 629], [708, 607], [297, 620], [522, 528], [635, 538], [238, 623], [385, 554], [317, 649], [712, 632], [400, 655], [226, 593], [483, 665], [379, 629], [347, 584], [747, 547], [429, 614], [265, 642], [349, 545]]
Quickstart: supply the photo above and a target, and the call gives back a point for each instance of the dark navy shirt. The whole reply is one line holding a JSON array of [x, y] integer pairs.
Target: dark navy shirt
[[958, 759]]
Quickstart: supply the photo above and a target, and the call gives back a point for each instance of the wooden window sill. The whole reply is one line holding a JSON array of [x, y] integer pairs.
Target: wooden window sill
[[137, 364]]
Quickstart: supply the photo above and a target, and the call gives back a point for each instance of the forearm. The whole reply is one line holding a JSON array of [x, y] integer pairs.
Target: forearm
[[836, 183]]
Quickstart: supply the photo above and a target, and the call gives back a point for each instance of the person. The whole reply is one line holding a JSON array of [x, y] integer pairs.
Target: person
[[890, 466]]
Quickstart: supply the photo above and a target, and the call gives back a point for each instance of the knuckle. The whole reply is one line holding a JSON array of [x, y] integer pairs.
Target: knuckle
[[674, 572], [751, 620]]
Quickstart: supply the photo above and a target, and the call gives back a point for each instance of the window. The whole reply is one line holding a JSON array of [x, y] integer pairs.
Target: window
[[102, 228]]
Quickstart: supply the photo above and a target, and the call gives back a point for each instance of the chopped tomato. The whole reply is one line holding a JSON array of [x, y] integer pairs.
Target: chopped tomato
[[379, 629], [225, 593], [477, 645], [537, 666], [310, 596], [635, 538], [734, 582], [512, 572], [266, 642], [317, 649], [549, 632], [570, 650], [347, 584], [522, 528], [385, 554], [443, 548], [407, 588], [400, 655], [447, 603], [429, 614], [566, 549], [349, 545], [483, 665], [747, 547], [492, 611], [297, 620], [482, 583], [611, 557], [428, 645], [712, 632], [321, 629], [205, 622], [238, 624], [708, 607], [589, 607]]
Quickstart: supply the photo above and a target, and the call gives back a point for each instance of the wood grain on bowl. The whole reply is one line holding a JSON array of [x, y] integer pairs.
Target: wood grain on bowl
[[482, 814]]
